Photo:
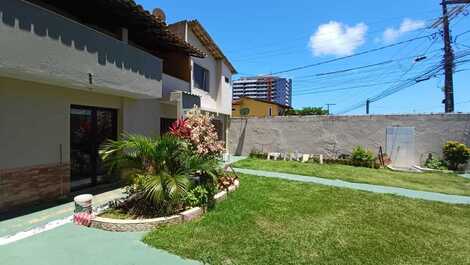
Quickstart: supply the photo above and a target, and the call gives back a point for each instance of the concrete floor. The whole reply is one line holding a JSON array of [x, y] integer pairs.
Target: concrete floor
[[75, 245], [71, 244]]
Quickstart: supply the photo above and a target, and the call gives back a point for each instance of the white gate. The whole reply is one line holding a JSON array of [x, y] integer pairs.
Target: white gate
[[400, 146]]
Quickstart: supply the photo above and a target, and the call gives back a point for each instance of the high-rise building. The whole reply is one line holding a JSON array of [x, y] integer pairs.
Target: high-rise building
[[271, 88]]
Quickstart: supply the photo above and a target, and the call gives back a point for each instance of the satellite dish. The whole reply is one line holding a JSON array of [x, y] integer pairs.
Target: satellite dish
[[158, 13]]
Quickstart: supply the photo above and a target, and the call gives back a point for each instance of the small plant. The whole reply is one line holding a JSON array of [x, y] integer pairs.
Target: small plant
[[455, 154], [198, 196], [255, 153], [435, 163], [361, 154], [363, 157]]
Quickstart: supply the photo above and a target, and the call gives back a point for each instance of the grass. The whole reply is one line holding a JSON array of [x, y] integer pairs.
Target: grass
[[273, 221], [436, 182]]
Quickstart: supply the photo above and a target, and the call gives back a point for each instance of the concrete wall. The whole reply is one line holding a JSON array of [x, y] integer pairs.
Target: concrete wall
[[208, 99], [171, 84], [39, 45], [35, 121], [333, 135]]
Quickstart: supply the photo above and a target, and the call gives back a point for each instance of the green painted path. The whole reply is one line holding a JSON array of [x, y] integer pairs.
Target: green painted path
[[75, 245], [423, 195], [40, 218]]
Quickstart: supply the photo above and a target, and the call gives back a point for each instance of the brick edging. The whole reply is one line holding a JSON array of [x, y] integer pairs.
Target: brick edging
[[139, 225]]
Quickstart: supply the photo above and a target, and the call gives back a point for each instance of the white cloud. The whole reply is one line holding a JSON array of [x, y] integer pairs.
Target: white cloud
[[407, 25], [335, 38]]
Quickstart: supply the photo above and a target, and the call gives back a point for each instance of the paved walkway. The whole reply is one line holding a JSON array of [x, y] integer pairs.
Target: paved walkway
[[424, 195], [75, 245], [41, 218]]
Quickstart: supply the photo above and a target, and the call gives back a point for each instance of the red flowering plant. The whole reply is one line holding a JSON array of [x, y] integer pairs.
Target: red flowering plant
[[199, 130]]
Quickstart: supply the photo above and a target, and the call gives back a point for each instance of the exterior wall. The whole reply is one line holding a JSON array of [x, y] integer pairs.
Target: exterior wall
[[42, 46], [171, 84], [21, 186], [141, 116], [224, 100], [35, 135], [35, 121], [333, 135], [257, 108], [208, 99]]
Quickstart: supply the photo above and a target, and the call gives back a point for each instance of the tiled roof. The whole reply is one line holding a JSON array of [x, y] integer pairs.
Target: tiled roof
[[209, 43], [142, 25]]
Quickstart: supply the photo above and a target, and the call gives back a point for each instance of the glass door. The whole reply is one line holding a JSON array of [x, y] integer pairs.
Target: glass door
[[90, 127]]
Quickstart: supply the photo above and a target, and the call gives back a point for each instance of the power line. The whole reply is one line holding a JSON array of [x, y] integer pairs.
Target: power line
[[354, 55]]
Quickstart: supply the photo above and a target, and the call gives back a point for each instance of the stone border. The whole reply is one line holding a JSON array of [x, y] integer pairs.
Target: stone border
[[139, 225]]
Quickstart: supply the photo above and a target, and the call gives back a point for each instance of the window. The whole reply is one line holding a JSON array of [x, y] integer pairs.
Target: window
[[270, 112], [201, 77], [227, 80]]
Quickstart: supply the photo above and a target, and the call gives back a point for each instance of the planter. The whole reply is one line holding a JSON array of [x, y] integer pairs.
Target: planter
[[137, 225]]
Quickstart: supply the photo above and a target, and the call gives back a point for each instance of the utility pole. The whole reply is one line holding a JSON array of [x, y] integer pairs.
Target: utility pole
[[448, 61], [328, 107], [449, 53], [367, 106]]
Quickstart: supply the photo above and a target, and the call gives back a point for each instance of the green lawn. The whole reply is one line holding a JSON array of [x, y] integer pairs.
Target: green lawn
[[273, 221], [436, 182]]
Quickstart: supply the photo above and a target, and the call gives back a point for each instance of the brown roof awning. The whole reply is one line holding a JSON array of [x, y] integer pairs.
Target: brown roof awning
[[209, 43], [145, 30]]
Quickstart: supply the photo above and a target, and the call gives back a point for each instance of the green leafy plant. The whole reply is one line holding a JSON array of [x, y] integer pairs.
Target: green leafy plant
[[307, 111], [255, 153], [158, 171], [363, 157], [434, 163], [197, 196], [455, 154]]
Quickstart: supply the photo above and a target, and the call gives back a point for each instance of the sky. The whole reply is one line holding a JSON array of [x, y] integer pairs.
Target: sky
[[263, 37]]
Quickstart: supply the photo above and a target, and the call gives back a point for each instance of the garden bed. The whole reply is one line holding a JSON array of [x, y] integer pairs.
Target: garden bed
[[135, 225]]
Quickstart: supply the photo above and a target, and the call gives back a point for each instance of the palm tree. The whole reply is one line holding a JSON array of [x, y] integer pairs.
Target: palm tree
[[158, 169]]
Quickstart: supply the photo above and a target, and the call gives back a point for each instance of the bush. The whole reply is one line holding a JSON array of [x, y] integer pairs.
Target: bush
[[255, 153], [455, 154], [198, 196], [363, 158], [360, 154], [434, 163]]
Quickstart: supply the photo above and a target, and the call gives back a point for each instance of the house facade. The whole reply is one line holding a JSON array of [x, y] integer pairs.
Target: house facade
[[74, 74], [252, 107], [206, 81]]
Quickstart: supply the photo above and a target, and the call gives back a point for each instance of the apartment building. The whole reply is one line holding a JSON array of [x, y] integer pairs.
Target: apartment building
[[270, 88], [76, 73]]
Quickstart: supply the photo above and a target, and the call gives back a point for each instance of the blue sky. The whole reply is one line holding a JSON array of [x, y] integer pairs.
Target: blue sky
[[262, 37]]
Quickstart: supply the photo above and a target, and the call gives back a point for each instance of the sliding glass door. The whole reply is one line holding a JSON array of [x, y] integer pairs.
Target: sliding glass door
[[90, 127]]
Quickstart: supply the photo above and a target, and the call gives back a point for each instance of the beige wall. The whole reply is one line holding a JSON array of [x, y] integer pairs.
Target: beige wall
[[35, 121], [42, 46], [334, 135]]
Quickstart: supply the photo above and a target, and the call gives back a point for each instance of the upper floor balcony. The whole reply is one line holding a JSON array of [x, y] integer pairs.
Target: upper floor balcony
[[40, 45]]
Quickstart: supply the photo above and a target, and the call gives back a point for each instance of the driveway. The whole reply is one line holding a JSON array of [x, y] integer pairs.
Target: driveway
[[75, 245], [48, 237]]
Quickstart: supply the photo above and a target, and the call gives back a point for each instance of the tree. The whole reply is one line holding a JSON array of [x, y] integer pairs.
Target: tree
[[307, 111]]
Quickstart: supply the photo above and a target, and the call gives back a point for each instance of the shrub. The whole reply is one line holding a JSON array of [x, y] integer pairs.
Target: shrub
[[455, 154], [434, 163], [198, 196], [158, 170], [363, 158], [200, 132], [255, 153], [361, 154]]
